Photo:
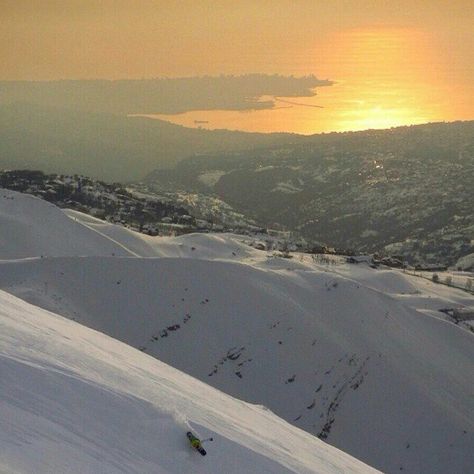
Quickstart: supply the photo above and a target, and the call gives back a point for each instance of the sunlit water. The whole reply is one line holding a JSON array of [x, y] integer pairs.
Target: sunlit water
[[384, 77]]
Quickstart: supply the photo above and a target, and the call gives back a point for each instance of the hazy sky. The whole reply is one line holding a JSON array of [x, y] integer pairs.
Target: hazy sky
[[425, 44], [49, 39]]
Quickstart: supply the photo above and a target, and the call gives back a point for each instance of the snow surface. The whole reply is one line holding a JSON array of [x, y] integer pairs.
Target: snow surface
[[360, 357], [76, 401], [31, 227]]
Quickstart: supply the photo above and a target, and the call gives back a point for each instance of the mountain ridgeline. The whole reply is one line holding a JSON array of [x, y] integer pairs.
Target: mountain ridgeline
[[405, 191], [106, 146]]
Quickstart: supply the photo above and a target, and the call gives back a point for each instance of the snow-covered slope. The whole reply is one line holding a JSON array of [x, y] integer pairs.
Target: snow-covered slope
[[76, 401], [202, 246], [357, 356], [336, 355], [30, 227]]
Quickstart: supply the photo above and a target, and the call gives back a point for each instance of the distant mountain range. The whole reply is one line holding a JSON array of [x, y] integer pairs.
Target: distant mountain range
[[162, 95], [106, 146], [405, 191]]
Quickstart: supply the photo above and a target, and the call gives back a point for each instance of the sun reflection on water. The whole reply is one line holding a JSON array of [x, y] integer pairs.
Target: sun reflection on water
[[384, 77]]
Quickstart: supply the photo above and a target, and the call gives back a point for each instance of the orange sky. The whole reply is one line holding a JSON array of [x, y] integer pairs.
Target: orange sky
[[395, 62]]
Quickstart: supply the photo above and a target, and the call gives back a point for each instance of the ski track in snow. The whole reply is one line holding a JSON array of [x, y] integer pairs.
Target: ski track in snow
[[93, 229]]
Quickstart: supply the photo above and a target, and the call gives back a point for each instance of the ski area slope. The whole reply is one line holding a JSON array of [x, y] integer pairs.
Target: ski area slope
[[201, 246], [360, 357], [31, 227], [335, 354], [74, 400]]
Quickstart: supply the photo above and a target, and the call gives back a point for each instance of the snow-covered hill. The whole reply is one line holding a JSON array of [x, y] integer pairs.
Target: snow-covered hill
[[360, 357], [31, 227], [74, 400]]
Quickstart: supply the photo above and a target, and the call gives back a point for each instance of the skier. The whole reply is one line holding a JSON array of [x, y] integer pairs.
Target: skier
[[196, 443]]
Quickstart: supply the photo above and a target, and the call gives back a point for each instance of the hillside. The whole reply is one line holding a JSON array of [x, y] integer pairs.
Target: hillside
[[359, 357], [31, 227], [130, 206], [106, 146], [405, 191], [76, 401]]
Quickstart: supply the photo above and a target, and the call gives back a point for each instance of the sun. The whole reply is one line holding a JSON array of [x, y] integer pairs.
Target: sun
[[381, 79]]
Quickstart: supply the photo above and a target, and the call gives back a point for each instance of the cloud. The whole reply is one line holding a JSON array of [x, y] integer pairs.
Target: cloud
[[164, 96]]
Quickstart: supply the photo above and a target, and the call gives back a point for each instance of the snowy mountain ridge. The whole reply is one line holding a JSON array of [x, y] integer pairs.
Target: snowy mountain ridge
[[362, 358]]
